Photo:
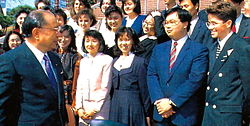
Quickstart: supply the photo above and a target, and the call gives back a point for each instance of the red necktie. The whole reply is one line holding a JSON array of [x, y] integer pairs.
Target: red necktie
[[234, 29], [172, 56]]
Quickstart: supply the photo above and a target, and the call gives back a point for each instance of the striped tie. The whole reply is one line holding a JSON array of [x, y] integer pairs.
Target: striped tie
[[173, 56], [218, 50]]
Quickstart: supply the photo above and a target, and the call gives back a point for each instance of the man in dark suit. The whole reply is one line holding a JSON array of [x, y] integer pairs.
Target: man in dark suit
[[31, 91], [198, 30], [224, 94], [176, 71]]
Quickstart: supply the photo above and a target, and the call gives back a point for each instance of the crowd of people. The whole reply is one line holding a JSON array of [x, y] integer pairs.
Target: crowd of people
[[177, 67]]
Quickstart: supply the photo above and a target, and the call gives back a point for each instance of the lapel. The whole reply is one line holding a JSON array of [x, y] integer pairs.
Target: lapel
[[33, 63], [197, 29], [243, 26], [222, 57]]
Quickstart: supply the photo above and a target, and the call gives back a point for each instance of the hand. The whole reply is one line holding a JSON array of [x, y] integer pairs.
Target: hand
[[83, 115], [156, 13], [90, 112], [163, 105], [168, 113]]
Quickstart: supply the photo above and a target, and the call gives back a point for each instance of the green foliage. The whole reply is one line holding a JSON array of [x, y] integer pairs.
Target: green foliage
[[5, 21], [13, 11]]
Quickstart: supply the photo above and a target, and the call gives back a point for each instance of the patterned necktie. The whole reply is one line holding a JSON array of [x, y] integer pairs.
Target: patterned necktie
[[173, 56], [49, 71], [218, 50]]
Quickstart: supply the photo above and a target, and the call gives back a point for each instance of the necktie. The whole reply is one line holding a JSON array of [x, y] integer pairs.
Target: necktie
[[218, 50], [172, 56], [234, 28], [49, 71]]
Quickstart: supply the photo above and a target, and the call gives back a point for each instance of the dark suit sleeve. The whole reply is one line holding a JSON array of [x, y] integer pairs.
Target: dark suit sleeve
[[244, 70], [143, 86], [7, 76], [196, 77], [154, 87], [159, 30]]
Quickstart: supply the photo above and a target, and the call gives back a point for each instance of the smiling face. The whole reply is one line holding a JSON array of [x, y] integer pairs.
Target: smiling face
[[114, 21], [219, 28], [129, 6], [105, 5], [84, 22], [125, 43], [14, 41], [92, 45], [174, 27], [148, 26], [78, 6], [64, 40], [20, 19]]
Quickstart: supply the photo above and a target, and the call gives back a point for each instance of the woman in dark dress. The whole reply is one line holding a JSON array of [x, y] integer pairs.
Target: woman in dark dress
[[149, 40], [129, 92], [67, 53]]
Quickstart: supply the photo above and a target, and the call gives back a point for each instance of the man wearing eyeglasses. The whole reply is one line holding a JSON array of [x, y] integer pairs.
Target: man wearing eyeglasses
[[224, 92], [31, 91], [176, 71]]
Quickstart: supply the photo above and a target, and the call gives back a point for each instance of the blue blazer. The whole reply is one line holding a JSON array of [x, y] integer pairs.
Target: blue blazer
[[201, 33], [137, 25], [27, 97], [244, 29], [181, 83], [224, 94]]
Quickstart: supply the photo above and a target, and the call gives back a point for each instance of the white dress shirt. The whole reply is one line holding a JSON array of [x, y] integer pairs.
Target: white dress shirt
[[180, 44]]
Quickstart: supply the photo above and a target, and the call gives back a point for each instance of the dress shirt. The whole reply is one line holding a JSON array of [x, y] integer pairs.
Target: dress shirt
[[223, 41], [237, 22], [109, 37], [193, 23], [180, 42]]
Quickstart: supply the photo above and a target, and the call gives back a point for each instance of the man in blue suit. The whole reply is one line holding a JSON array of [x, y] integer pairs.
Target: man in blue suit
[[224, 92], [31, 91], [176, 71]]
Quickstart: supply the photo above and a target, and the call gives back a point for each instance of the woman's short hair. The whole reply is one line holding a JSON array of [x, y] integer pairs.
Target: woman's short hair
[[6, 46], [90, 14], [111, 9], [132, 35], [72, 45], [61, 13], [137, 8], [111, 1], [82, 2], [46, 2], [97, 35]]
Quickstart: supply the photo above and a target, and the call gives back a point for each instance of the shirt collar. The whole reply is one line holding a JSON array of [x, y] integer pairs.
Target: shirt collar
[[146, 36], [223, 41], [182, 40], [39, 54]]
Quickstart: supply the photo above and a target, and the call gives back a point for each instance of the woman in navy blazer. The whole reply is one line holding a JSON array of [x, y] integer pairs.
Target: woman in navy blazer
[[132, 8]]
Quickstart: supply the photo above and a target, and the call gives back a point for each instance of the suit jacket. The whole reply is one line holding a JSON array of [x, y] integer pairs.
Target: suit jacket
[[224, 94], [137, 25], [201, 33], [181, 84], [244, 31], [27, 97]]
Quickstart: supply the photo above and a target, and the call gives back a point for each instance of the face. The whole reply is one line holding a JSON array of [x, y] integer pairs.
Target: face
[[148, 26], [21, 18], [48, 34], [105, 5], [188, 5], [125, 43], [60, 20], [174, 27], [14, 41], [84, 22], [129, 6], [64, 40], [40, 5], [114, 21], [92, 45], [78, 6], [219, 28]]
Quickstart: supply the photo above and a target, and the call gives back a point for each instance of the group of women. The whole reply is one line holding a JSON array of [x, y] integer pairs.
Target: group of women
[[111, 83]]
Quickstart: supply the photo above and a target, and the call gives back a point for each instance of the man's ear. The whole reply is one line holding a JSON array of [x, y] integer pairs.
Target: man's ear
[[229, 23], [35, 33]]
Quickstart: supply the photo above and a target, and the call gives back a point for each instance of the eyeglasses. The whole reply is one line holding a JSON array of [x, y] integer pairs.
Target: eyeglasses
[[212, 24], [171, 23]]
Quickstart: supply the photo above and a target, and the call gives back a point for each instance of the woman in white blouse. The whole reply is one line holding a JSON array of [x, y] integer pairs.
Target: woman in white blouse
[[93, 82]]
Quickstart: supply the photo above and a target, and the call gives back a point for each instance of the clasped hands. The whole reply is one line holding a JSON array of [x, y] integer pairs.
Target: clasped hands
[[86, 114], [164, 107]]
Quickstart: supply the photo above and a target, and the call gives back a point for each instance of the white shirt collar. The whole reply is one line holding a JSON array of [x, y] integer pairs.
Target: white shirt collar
[[180, 43], [193, 23], [130, 22], [124, 62], [237, 22], [39, 54], [146, 36], [223, 41]]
